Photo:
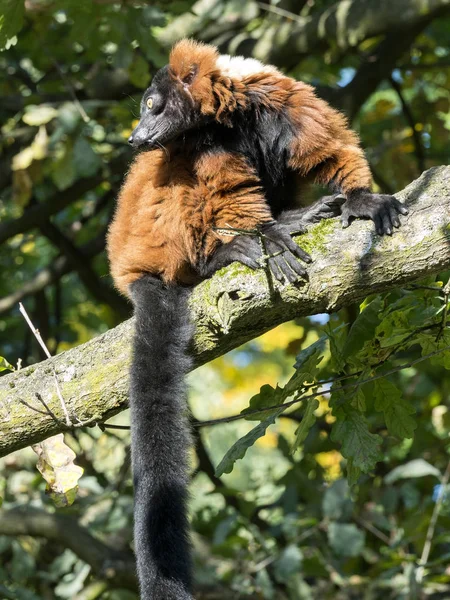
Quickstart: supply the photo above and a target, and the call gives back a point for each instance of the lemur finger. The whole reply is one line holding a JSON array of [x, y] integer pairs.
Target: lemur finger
[[287, 273], [293, 263], [378, 223], [401, 208], [337, 200], [387, 225], [345, 220], [252, 250], [275, 269], [394, 217], [296, 250], [248, 262]]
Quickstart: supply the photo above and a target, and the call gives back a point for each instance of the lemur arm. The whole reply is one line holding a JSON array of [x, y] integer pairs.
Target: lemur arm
[[329, 152]]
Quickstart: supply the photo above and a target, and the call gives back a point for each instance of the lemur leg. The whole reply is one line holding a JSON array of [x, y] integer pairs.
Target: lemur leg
[[247, 249], [234, 202], [324, 208]]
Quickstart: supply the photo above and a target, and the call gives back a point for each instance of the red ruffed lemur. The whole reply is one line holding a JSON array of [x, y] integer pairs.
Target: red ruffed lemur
[[225, 144]]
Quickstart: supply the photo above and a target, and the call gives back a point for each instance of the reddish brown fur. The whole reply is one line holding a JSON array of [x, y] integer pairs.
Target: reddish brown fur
[[166, 210]]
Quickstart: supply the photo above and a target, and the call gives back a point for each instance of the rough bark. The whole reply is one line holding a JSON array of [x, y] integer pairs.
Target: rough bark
[[237, 305]]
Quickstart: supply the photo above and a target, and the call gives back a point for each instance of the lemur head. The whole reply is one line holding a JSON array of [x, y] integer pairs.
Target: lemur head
[[197, 86]]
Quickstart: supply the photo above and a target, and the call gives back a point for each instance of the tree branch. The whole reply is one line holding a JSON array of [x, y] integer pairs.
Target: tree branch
[[237, 305], [101, 291], [52, 273], [116, 567]]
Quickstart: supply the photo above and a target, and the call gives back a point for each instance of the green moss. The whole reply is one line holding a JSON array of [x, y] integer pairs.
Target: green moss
[[316, 237]]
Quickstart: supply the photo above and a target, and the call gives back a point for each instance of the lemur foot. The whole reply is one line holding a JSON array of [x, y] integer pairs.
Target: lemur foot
[[381, 208], [282, 252], [243, 248]]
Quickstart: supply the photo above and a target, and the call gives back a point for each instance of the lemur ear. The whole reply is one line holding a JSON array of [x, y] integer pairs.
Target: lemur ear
[[191, 62], [188, 79]]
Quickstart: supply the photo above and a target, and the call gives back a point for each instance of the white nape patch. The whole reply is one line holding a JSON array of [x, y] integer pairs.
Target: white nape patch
[[240, 67]]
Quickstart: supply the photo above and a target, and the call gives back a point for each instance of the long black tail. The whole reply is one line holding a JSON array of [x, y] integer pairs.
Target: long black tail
[[160, 439]]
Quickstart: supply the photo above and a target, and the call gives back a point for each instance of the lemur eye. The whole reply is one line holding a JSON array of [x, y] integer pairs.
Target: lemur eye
[[149, 102]]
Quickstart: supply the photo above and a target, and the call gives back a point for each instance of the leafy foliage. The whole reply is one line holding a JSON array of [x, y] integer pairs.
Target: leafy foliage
[[348, 457]]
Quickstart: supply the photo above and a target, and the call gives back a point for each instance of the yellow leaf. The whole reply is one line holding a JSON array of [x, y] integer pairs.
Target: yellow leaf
[[40, 144], [38, 115], [23, 160], [56, 466]]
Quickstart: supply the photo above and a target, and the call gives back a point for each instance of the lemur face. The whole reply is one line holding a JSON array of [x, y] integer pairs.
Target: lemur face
[[167, 111]]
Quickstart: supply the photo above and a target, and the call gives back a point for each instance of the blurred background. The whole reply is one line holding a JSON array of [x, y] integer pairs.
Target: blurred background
[[280, 526]]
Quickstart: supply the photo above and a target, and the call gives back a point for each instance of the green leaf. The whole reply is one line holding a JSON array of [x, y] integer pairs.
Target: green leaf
[[346, 539], [358, 443], [85, 160], [412, 469], [394, 328], [139, 72], [268, 396], [308, 420], [11, 21], [63, 172], [388, 399], [336, 339], [288, 563], [239, 448], [429, 345], [363, 328], [306, 366], [358, 400], [353, 473], [336, 503], [5, 365]]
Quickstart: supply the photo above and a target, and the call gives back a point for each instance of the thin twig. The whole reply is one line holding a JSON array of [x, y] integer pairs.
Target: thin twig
[[307, 387], [38, 336], [374, 530], [71, 91], [420, 150], [432, 525], [282, 12], [285, 405], [443, 325]]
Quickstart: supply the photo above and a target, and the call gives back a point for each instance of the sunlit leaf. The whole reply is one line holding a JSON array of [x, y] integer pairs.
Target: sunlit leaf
[[11, 20], [412, 469], [39, 115], [5, 365], [239, 448], [56, 464]]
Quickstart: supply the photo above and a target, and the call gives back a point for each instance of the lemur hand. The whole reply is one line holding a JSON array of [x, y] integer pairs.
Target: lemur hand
[[381, 208], [282, 252]]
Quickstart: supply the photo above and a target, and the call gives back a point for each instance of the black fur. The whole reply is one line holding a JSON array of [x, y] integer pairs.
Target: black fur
[[160, 439], [381, 208]]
